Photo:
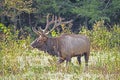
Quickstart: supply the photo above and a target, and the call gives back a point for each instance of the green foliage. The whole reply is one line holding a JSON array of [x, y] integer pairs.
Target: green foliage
[[103, 39], [19, 5], [46, 6], [22, 13], [112, 8], [90, 9], [12, 11], [4, 29], [54, 6], [54, 33], [10, 49]]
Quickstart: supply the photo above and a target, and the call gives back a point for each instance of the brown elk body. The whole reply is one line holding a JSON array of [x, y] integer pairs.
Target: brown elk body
[[65, 46]]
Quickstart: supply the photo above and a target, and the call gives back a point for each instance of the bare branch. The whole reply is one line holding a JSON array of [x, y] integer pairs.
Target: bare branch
[[107, 4]]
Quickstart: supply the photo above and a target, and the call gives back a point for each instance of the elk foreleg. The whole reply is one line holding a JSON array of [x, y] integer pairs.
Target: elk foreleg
[[61, 59]]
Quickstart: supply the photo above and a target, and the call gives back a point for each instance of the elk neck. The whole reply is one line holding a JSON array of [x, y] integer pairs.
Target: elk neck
[[52, 46]]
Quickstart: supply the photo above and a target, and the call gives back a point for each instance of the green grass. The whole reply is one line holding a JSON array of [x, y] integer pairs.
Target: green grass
[[19, 62], [37, 65]]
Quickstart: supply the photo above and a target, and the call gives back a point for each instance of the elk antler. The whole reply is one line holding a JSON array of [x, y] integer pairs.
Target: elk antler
[[56, 21], [48, 23], [39, 31], [57, 24]]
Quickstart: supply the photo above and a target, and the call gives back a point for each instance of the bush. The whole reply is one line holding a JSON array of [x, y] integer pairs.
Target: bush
[[101, 38], [10, 49]]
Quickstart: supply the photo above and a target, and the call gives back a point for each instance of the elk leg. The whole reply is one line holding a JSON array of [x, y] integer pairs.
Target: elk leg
[[68, 59], [86, 56], [60, 60], [79, 59]]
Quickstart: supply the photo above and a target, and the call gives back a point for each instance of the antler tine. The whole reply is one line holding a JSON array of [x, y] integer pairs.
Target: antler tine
[[48, 23], [39, 31], [34, 29], [59, 22], [55, 23], [67, 22], [47, 20]]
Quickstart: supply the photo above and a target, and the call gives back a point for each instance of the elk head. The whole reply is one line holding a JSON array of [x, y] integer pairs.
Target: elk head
[[40, 42]]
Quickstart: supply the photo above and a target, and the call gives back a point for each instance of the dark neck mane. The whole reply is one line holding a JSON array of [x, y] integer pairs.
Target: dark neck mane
[[52, 46]]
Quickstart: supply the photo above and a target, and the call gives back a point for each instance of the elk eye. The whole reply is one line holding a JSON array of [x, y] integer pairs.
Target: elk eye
[[38, 40]]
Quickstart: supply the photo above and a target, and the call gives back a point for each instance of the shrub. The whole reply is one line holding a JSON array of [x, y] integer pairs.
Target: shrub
[[101, 38], [10, 49]]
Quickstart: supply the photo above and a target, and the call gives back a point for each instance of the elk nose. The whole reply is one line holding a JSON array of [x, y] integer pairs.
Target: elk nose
[[32, 46]]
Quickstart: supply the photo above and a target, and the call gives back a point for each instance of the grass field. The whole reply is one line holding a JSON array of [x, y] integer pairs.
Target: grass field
[[19, 62], [37, 65]]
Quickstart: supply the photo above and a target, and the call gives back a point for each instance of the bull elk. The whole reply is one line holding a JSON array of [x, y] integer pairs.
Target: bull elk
[[65, 46]]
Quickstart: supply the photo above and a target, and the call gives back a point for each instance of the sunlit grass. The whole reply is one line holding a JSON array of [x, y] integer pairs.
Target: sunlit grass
[[40, 65]]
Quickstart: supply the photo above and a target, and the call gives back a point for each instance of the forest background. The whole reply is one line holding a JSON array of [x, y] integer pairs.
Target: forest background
[[98, 19]]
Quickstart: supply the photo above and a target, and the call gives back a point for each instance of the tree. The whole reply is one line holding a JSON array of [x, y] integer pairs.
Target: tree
[[90, 10], [85, 12], [14, 8], [112, 10]]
